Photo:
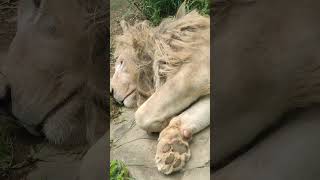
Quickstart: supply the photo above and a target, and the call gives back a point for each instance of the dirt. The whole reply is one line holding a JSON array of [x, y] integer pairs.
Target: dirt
[[34, 158], [8, 17], [122, 10], [21, 146]]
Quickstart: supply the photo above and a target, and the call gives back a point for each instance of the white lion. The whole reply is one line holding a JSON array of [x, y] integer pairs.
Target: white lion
[[165, 71]]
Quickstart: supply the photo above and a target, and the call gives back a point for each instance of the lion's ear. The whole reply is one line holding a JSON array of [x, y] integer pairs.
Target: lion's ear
[[181, 11], [136, 44], [124, 25]]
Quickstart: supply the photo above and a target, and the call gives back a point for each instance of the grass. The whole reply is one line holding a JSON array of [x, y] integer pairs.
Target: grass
[[156, 10], [119, 171], [6, 149]]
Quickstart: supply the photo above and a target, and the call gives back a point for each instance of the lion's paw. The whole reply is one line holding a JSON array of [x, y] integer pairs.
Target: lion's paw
[[173, 150]]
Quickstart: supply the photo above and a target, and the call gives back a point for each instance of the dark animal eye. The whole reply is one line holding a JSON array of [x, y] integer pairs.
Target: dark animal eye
[[37, 3], [121, 62]]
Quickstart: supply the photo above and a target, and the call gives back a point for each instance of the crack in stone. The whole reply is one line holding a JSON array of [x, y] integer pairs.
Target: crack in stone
[[116, 147], [154, 167], [207, 164], [133, 123], [141, 165]]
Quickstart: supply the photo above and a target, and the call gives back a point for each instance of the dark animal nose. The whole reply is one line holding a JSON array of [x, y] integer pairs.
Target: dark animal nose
[[119, 102], [111, 91], [115, 97]]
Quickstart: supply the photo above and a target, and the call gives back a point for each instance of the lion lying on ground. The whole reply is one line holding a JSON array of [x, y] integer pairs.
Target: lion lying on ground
[[165, 71]]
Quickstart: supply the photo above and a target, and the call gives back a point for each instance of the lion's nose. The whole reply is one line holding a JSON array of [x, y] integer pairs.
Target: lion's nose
[[111, 89], [118, 101], [118, 98]]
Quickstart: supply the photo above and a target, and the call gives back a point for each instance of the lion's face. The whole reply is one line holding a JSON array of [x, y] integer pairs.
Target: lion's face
[[131, 67], [123, 82]]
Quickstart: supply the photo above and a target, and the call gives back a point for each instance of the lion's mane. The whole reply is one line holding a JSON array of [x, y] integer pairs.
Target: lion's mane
[[162, 50]]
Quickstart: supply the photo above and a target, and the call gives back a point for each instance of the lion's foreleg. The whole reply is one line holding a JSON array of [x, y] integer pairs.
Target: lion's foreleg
[[196, 118], [173, 151], [179, 92]]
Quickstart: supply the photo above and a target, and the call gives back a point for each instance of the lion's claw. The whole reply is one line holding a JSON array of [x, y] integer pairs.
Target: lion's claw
[[173, 151]]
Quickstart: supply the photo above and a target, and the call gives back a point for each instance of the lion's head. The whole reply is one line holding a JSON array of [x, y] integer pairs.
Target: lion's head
[[132, 64], [123, 82], [147, 56]]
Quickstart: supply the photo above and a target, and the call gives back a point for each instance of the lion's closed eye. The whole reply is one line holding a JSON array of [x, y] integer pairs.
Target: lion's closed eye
[[119, 65]]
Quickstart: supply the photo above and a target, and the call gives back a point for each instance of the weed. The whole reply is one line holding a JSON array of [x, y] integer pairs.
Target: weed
[[156, 10], [119, 171], [6, 148]]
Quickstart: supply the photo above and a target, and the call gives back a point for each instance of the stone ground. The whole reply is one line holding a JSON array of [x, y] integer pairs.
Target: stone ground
[[34, 158], [137, 149], [55, 163]]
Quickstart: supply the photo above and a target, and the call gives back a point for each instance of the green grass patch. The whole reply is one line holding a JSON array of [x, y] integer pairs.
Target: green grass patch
[[156, 10], [119, 171], [6, 148]]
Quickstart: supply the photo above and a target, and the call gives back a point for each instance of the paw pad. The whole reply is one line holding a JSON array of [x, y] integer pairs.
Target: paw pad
[[173, 151]]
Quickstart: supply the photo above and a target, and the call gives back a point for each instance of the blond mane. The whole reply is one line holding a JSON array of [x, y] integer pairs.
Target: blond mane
[[162, 50]]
